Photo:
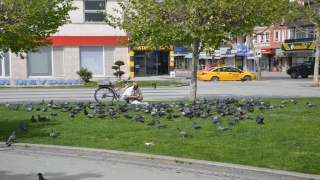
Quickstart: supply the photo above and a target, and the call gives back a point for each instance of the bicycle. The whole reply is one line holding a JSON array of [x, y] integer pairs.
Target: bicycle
[[106, 91]]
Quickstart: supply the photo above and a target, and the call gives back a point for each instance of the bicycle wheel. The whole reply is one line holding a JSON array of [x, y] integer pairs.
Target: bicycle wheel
[[104, 95]]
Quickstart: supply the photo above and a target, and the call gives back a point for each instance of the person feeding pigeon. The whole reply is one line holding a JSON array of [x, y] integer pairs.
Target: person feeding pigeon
[[133, 94]]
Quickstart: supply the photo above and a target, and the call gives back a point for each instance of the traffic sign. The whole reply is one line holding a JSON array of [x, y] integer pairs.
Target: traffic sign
[[314, 52], [257, 53]]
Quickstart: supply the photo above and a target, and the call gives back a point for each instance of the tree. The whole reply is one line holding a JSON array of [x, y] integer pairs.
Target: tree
[[196, 24], [85, 74], [118, 72], [26, 25], [306, 13]]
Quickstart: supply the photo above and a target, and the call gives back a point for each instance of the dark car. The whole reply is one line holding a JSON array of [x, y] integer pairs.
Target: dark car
[[303, 70]]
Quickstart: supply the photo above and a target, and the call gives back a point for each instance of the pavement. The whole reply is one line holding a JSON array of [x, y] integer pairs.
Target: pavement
[[23, 161]]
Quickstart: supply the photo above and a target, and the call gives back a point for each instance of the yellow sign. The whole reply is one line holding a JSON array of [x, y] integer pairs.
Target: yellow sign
[[144, 48]]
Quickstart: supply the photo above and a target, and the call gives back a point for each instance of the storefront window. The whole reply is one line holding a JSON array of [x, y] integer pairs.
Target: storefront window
[[40, 63], [91, 57], [181, 63], [5, 66]]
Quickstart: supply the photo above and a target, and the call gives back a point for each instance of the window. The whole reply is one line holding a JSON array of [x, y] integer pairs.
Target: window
[[261, 38], [310, 32], [276, 36], [91, 8], [91, 57], [290, 34], [255, 38], [267, 36], [40, 63], [299, 34], [5, 66], [283, 35]]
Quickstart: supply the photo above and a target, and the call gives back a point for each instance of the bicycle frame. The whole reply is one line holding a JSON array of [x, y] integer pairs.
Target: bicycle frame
[[117, 93]]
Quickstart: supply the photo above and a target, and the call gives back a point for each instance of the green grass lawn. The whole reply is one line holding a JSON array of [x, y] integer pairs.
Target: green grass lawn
[[289, 139]]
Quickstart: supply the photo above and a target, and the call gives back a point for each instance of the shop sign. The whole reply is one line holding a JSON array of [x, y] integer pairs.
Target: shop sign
[[265, 50], [242, 50], [279, 53], [147, 48], [298, 46], [180, 49]]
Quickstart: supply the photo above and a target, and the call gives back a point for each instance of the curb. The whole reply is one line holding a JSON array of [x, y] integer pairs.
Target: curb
[[168, 159]]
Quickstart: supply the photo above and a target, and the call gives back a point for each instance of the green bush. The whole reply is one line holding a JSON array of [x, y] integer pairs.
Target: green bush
[[85, 74]]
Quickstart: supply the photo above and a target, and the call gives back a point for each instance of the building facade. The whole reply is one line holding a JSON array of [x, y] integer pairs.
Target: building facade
[[87, 42]]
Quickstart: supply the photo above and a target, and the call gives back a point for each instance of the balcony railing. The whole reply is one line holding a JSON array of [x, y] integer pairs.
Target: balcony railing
[[300, 40]]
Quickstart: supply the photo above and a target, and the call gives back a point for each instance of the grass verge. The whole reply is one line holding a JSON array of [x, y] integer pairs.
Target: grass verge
[[289, 139]]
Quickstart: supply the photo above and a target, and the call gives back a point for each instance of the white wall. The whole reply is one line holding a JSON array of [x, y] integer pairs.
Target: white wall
[[79, 28]]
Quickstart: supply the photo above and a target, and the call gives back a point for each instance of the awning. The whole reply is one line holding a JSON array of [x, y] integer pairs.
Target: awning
[[201, 56]]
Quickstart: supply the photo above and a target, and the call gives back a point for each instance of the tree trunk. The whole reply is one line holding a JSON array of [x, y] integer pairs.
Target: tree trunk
[[316, 62], [249, 41], [194, 70]]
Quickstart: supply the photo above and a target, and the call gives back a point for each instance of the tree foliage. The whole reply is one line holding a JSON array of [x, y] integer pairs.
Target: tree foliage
[[307, 15], [196, 24], [85, 74], [118, 72], [28, 24]]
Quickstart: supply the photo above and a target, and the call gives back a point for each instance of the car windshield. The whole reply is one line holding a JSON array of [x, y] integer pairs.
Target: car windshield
[[306, 64]]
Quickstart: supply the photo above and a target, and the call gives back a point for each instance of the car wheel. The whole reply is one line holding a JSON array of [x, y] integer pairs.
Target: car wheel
[[304, 76], [215, 79], [294, 74], [247, 78]]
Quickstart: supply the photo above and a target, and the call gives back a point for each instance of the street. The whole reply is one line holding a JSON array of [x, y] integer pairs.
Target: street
[[272, 85]]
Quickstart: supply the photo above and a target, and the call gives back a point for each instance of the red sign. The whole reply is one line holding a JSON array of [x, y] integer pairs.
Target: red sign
[[266, 51]]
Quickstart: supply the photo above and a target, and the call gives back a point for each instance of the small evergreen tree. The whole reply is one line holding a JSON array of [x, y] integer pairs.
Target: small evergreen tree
[[118, 72], [85, 74]]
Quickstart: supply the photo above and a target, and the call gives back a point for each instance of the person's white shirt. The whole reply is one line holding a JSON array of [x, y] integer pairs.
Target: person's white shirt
[[130, 90]]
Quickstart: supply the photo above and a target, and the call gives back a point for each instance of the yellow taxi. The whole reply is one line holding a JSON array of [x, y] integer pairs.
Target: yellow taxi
[[225, 74]]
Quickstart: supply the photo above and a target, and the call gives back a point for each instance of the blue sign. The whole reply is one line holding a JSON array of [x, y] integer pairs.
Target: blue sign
[[180, 49], [242, 50], [314, 52]]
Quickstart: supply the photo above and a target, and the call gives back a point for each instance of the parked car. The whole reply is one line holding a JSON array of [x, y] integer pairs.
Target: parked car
[[303, 70], [225, 74]]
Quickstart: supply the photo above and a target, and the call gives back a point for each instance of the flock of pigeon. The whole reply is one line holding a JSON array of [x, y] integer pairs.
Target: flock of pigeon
[[234, 110]]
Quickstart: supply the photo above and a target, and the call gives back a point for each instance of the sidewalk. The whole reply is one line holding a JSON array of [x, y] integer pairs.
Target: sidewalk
[[25, 161]]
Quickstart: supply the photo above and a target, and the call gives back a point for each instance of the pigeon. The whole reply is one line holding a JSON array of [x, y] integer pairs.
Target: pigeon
[[22, 126], [221, 128], [184, 134], [52, 134], [50, 103], [41, 176], [44, 109], [85, 112], [230, 122], [42, 102], [154, 86], [30, 108], [153, 122], [11, 139], [71, 115], [16, 107], [91, 115], [310, 105], [41, 118], [282, 101], [195, 125], [7, 104], [169, 116], [161, 126], [293, 101], [53, 114], [32, 119], [259, 119]]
